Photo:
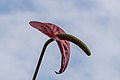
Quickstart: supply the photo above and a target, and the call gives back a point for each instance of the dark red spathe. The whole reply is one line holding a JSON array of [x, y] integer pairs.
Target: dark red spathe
[[52, 30]]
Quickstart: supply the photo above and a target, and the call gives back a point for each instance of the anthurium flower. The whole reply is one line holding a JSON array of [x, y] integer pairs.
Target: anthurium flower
[[52, 30], [62, 39]]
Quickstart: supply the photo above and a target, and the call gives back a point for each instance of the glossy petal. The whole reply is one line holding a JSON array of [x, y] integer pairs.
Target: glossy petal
[[65, 52], [52, 30]]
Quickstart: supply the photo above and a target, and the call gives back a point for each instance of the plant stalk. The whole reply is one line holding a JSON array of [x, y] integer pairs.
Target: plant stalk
[[41, 57]]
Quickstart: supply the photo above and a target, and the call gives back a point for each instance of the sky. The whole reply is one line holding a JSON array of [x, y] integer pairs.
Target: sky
[[95, 22]]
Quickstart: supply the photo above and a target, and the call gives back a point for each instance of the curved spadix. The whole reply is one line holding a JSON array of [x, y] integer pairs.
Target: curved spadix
[[76, 41]]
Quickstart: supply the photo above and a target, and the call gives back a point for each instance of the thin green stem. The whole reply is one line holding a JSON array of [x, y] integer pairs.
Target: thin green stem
[[40, 58], [76, 41]]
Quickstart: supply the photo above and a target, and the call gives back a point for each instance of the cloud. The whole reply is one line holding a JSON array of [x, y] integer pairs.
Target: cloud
[[94, 22], [7, 6]]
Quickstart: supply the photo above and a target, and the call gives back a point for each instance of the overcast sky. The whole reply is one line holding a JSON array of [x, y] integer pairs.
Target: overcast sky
[[95, 22]]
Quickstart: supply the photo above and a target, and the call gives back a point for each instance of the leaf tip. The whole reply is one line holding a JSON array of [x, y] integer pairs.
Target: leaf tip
[[57, 72]]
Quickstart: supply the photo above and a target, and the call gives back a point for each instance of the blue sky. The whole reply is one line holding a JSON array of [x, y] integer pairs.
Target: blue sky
[[96, 22]]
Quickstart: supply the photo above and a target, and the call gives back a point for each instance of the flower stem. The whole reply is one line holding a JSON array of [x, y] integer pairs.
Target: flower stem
[[76, 41], [40, 58]]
